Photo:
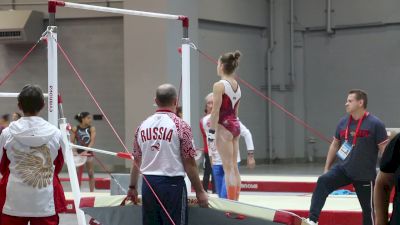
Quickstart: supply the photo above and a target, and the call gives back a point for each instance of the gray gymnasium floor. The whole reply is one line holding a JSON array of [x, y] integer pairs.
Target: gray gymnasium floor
[[274, 169]]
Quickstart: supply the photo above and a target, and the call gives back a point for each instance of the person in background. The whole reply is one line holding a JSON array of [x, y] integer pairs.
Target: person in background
[[204, 123], [4, 121], [85, 134], [388, 177], [358, 139], [16, 116], [179, 111]]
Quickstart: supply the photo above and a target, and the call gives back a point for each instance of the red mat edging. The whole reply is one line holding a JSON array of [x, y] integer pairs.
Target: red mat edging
[[99, 183], [328, 217], [253, 186], [85, 202], [286, 218], [281, 186]]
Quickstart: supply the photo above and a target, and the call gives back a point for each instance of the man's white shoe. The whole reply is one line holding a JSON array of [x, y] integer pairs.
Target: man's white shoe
[[311, 222]]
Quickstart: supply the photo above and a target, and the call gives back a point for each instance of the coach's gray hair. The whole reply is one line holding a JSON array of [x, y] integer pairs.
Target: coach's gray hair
[[166, 95]]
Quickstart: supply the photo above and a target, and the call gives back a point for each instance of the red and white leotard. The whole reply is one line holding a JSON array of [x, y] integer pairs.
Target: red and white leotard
[[227, 115]]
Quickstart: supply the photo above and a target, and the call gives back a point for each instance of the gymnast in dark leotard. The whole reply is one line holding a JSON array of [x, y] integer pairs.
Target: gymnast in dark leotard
[[225, 126]]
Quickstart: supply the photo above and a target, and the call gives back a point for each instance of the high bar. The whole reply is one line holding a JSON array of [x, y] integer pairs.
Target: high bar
[[116, 10]]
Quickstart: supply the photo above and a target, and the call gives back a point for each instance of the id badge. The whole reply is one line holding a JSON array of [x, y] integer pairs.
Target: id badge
[[344, 150]]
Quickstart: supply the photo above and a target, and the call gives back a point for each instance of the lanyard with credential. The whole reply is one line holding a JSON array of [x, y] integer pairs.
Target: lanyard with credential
[[357, 129]]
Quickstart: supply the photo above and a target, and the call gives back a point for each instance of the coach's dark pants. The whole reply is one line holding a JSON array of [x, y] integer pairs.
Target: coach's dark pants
[[207, 173], [172, 193], [334, 179]]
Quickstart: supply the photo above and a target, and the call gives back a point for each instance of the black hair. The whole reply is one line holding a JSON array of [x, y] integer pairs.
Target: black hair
[[31, 99], [6, 117], [166, 94], [230, 61], [80, 116]]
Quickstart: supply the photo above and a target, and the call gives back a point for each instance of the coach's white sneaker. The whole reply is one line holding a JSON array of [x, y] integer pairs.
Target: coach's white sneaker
[[311, 222]]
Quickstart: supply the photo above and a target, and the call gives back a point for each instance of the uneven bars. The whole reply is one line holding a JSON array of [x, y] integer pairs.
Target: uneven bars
[[52, 6], [14, 95], [116, 10]]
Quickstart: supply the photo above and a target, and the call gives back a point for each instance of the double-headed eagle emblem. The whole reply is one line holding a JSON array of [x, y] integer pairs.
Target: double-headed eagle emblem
[[35, 168]]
